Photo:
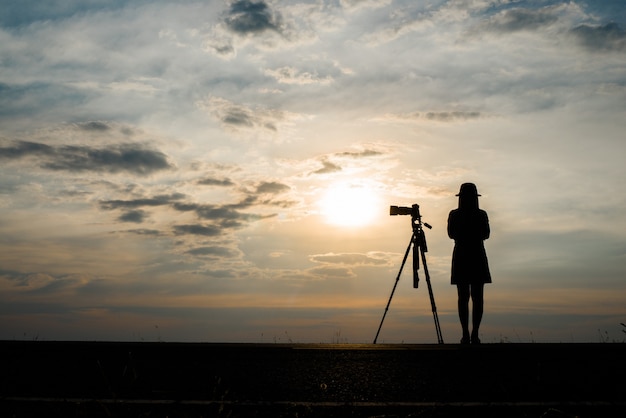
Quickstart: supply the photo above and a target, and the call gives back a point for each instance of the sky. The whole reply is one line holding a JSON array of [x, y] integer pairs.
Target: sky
[[222, 171]]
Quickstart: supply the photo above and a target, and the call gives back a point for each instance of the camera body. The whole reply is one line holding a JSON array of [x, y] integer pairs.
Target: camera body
[[404, 210], [414, 211]]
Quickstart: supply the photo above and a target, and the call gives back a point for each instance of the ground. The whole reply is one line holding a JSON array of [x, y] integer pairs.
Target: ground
[[93, 379]]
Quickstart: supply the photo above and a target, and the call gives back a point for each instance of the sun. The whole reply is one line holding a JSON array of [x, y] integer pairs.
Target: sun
[[349, 204]]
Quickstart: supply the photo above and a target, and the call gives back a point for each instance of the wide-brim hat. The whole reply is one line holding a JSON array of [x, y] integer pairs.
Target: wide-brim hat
[[468, 189]]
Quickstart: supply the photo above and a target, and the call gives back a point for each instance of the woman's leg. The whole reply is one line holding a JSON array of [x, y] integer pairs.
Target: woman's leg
[[463, 291], [477, 292]]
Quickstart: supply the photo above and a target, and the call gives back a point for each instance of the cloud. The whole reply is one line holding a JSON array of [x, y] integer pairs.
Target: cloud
[[159, 200], [272, 187], [22, 149], [332, 272], [227, 215], [247, 17], [40, 283], [259, 197], [515, 20], [240, 117], [434, 116], [261, 25], [209, 181], [147, 232], [225, 48], [136, 216], [451, 116], [390, 27], [291, 75], [131, 158], [609, 37], [353, 259], [223, 217], [214, 251], [94, 126], [363, 4], [366, 153], [327, 168], [198, 229]]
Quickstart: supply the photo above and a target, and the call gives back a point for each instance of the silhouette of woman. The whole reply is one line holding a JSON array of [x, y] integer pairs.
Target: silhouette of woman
[[468, 226]]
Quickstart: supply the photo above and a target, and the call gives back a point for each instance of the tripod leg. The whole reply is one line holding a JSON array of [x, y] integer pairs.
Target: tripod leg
[[430, 292], [416, 261], [406, 255]]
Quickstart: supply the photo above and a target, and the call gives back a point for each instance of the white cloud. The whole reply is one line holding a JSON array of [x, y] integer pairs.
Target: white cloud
[[290, 75]]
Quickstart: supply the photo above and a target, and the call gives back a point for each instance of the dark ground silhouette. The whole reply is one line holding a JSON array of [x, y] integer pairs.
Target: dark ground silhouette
[[306, 380]]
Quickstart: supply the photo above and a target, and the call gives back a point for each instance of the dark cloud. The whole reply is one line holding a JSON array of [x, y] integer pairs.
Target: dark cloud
[[131, 158], [609, 37], [198, 229], [362, 154], [214, 251], [219, 212], [94, 126], [241, 117], [149, 232], [515, 20], [224, 49], [451, 116], [281, 203], [328, 167], [136, 216], [238, 117], [226, 216], [439, 116], [221, 217], [209, 181], [21, 149], [250, 17], [272, 187], [270, 126], [159, 200], [74, 193]]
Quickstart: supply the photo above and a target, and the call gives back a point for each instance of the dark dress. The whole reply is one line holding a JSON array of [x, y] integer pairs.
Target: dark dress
[[469, 228]]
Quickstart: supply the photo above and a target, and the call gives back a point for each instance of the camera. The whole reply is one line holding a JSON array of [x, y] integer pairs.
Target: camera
[[414, 211], [403, 210]]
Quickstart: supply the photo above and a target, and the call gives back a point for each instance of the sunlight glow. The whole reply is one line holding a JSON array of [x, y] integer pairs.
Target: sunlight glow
[[349, 204]]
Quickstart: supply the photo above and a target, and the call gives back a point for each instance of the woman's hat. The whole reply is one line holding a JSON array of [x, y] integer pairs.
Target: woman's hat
[[468, 189]]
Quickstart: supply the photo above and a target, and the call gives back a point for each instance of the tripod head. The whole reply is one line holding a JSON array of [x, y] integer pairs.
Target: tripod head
[[414, 211]]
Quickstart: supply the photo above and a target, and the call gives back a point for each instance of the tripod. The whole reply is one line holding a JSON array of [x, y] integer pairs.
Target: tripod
[[418, 241]]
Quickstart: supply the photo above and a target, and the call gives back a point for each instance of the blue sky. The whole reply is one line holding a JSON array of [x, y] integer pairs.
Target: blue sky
[[222, 171]]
